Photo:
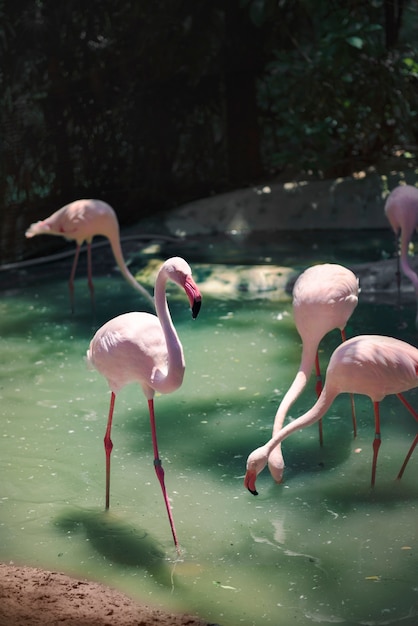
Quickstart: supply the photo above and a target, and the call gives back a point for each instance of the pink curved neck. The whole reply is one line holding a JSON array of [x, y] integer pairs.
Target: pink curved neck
[[298, 385], [175, 356], [117, 253], [310, 417], [405, 266]]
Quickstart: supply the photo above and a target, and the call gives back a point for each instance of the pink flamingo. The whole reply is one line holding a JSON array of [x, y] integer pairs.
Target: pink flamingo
[[373, 365], [80, 221], [324, 298], [401, 209], [144, 348]]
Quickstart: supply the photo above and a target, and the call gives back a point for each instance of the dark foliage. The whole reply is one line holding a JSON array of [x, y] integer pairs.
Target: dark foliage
[[150, 104]]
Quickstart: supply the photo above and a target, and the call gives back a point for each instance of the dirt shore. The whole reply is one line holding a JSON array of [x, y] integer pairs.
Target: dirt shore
[[31, 597]]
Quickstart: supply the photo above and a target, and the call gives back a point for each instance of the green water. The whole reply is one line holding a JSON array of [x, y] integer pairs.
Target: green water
[[320, 548]]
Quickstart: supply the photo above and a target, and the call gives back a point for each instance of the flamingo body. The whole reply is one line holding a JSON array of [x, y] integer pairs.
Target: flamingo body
[[324, 298], [132, 348], [144, 348], [80, 221], [372, 365], [401, 209]]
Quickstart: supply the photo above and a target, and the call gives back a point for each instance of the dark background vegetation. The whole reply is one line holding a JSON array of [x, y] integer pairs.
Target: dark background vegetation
[[150, 104]]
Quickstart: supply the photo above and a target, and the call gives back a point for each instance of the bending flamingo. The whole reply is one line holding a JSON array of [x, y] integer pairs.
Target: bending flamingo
[[144, 348], [372, 365], [401, 209], [81, 221], [324, 297]]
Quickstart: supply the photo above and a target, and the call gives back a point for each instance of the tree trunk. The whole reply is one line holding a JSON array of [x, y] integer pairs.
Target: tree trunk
[[393, 21], [243, 63]]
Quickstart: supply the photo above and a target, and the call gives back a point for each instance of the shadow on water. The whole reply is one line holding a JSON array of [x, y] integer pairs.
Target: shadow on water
[[118, 542]]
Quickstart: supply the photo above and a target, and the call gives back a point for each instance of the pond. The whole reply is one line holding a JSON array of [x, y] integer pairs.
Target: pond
[[322, 547]]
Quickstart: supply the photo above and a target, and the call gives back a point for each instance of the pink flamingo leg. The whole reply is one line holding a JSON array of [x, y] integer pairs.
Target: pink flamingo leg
[[377, 440], [398, 269], [353, 406], [90, 274], [72, 275], [318, 389], [108, 446], [160, 472], [414, 443], [408, 456]]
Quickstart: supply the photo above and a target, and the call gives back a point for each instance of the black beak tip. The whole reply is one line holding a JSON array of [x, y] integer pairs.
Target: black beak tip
[[196, 308], [253, 491]]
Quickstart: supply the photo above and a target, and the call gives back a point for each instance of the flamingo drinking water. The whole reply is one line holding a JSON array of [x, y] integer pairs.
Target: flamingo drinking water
[[144, 348], [373, 365], [81, 221], [324, 298]]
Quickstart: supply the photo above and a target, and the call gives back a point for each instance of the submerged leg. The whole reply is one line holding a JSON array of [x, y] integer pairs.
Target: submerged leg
[[108, 446], [71, 279], [318, 389], [414, 443], [353, 405], [376, 441], [160, 472]]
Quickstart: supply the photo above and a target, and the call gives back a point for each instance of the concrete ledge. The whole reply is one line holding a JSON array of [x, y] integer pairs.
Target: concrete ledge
[[353, 202]]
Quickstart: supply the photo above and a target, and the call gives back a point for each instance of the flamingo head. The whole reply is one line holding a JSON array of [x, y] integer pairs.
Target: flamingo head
[[38, 228], [276, 463], [193, 293], [256, 462], [178, 270]]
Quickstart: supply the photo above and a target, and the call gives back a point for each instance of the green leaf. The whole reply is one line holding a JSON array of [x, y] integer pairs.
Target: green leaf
[[410, 63], [356, 42]]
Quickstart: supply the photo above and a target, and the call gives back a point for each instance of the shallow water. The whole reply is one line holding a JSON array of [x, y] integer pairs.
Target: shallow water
[[320, 548]]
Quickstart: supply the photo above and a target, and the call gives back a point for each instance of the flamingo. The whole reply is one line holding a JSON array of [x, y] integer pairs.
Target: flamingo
[[401, 209], [80, 221], [372, 365], [145, 348], [324, 298]]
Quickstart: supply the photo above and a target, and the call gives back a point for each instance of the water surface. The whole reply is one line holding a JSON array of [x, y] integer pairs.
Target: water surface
[[322, 547]]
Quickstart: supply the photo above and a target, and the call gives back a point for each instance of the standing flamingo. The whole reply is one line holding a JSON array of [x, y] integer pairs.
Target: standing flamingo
[[324, 297], [144, 348], [372, 365], [401, 209], [81, 220]]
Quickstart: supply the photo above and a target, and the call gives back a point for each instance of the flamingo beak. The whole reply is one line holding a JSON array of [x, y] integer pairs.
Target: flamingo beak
[[193, 293], [249, 481]]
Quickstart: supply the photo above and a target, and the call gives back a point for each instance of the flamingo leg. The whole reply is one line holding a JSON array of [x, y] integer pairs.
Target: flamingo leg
[[353, 405], [160, 472], [398, 270], [414, 443], [90, 275], [71, 279], [318, 389], [377, 440], [108, 446]]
